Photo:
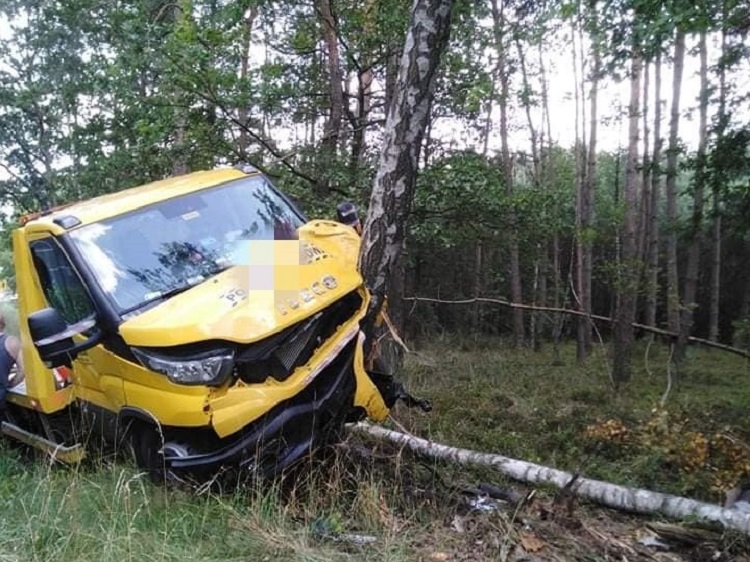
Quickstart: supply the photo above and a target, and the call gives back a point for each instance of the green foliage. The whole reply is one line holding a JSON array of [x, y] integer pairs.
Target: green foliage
[[133, 92], [459, 198]]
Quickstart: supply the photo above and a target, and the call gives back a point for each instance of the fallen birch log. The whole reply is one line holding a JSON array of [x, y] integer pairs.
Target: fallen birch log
[[611, 495]]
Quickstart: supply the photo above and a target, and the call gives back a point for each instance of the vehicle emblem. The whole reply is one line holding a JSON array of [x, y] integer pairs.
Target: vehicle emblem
[[329, 282], [293, 304], [317, 288], [306, 295]]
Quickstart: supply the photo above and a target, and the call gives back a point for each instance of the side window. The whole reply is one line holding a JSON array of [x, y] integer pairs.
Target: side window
[[62, 287]]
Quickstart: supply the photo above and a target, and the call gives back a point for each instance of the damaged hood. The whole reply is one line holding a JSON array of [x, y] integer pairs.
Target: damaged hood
[[283, 282]]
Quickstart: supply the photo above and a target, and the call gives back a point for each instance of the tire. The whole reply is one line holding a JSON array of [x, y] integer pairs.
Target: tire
[[146, 443]]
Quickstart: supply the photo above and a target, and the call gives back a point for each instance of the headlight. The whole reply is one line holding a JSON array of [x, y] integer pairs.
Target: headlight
[[210, 368]]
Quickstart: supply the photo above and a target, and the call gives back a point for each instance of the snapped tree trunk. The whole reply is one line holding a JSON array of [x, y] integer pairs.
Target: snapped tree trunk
[[628, 267], [696, 223], [673, 293], [393, 189]]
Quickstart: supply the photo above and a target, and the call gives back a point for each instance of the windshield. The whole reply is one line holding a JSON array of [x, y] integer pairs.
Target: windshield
[[167, 247]]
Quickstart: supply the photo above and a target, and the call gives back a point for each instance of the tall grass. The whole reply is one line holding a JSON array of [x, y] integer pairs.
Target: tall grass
[[113, 512]]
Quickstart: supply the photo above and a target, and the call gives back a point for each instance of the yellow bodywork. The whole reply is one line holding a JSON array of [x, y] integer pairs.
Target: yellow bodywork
[[269, 286]]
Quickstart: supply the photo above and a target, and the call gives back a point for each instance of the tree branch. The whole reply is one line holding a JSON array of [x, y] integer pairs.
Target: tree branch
[[650, 329]]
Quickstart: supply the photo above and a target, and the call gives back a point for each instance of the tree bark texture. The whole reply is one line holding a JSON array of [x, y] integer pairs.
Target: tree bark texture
[[673, 292], [393, 189], [628, 276], [624, 498], [336, 90], [696, 226]]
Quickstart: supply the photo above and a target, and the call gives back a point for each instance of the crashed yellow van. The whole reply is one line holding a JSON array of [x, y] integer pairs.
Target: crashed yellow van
[[202, 317]]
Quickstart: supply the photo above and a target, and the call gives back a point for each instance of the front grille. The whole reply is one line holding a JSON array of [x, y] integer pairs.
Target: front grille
[[279, 355]]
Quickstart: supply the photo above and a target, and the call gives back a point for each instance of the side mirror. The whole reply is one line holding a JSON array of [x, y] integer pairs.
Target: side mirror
[[347, 214], [53, 338]]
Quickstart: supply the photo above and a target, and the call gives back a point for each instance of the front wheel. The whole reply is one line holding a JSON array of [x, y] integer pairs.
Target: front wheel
[[147, 443]]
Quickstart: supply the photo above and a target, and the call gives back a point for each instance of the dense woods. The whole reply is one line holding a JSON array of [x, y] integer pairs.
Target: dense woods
[[593, 156]]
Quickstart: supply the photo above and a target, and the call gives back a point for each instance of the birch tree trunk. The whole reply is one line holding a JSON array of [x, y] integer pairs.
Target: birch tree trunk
[[611, 495], [393, 189], [628, 276], [673, 293], [696, 226]]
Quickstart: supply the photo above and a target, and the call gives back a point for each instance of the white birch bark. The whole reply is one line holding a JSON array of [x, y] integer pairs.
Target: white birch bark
[[624, 498], [393, 190]]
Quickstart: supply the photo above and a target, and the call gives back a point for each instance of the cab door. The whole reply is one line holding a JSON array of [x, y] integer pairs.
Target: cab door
[[94, 371]]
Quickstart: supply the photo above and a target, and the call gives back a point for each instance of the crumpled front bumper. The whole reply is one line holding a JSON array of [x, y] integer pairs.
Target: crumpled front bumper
[[291, 429]]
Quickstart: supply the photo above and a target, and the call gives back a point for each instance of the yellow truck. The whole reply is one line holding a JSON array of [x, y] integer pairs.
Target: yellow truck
[[201, 320]]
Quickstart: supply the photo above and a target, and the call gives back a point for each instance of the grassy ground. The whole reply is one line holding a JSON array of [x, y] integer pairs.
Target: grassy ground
[[524, 405], [510, 402]]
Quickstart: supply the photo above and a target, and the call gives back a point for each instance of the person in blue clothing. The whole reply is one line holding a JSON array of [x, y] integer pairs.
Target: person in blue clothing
[[10, 354]]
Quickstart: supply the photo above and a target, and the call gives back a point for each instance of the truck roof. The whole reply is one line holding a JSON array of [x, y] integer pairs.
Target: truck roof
[[120, 202]]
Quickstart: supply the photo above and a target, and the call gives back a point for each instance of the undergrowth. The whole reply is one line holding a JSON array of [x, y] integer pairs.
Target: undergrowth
[[524, 405]]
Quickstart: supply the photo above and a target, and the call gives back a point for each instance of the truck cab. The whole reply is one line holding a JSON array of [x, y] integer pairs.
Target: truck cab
[[202, 320]]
